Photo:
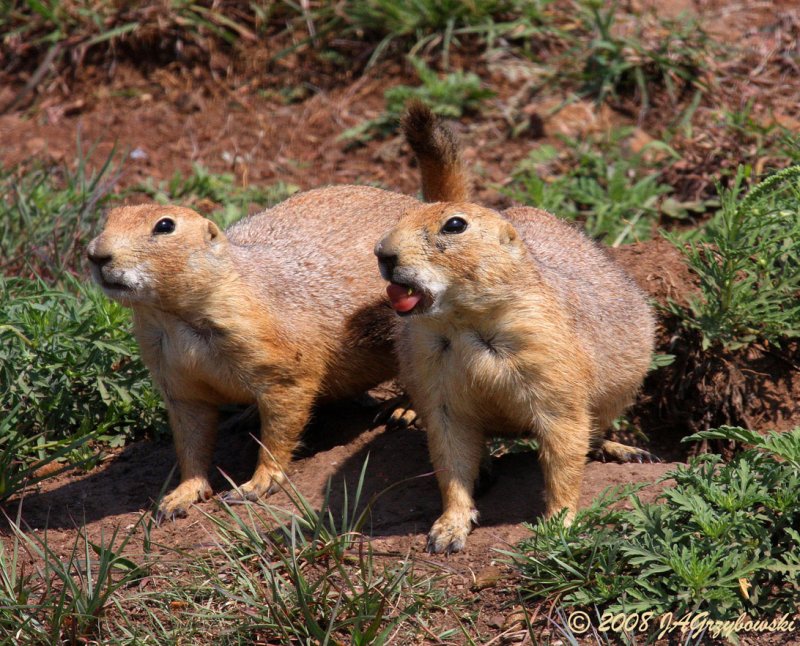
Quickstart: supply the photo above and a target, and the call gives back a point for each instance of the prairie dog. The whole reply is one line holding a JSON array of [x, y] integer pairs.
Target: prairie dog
[[281, 310], [512, 324]]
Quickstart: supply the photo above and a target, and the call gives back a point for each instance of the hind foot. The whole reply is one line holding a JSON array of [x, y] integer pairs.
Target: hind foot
[[397, 414]]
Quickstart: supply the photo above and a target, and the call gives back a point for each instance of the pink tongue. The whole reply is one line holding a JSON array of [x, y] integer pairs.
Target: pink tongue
[[400, 298]]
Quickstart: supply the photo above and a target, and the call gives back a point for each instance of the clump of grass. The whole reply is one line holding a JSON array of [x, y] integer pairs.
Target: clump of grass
[[291, 576], [27, 459], [665, 53], [216, 194], [69, 369], [451, 96], [614, 193], [49, 213], [62, 600], [723, 539], [748, 265], [45, 35], [427, 21], [312, 577]]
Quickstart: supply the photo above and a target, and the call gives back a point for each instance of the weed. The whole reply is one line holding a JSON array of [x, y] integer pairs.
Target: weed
[[722, 528], [289, 576], [64, 34], [612, 192], [69, 368], [451, 96], [18, 468], [748, 265], [668, 54], [295, 575], [423, 24]]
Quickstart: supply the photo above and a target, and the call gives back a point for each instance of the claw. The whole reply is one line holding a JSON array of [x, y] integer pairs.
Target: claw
[[162, 516], [396, 414], [249, 493]]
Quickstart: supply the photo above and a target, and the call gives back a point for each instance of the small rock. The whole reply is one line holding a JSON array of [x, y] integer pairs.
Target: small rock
[[577, 119], [138, 154], [495, 622], [487, 578], [642, 143], [516, 620]]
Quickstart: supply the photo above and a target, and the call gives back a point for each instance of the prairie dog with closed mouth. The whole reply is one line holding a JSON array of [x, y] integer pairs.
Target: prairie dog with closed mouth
[[512, 324]]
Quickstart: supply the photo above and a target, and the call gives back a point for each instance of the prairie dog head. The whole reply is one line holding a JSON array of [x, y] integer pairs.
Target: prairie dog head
[[150, 254], [446, 254]]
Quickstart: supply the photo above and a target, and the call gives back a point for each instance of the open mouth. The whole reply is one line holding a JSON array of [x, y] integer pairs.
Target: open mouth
[[405, 299], [114, 287]]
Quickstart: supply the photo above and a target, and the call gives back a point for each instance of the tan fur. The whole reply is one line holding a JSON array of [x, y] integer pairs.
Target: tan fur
[[282, 310], [525, 327], [438, 154]]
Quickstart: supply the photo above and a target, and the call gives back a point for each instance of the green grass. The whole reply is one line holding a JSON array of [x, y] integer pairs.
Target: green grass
[[69, 368], [651, 53], [717, 526], [748, 264], [82, 373], [50, 212], [64, 599], [66, 33], [451, 95]]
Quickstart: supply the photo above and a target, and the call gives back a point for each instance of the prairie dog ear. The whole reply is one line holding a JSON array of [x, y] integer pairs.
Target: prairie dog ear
[[508, 234], [212, 231]]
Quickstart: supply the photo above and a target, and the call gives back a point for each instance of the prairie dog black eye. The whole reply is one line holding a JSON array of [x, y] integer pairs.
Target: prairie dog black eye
[[164, 225], [455, 225]]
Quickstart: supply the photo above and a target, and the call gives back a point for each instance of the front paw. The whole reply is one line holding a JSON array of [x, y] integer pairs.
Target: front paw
[[449, 532], [258, 487], [176, 504]]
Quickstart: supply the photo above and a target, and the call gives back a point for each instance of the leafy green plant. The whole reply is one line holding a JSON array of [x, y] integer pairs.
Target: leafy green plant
[[720, 529], [748, 264], [64, 33], [217, 193], [69, 368], [615, 194], [422, 24], [449, 96], [18, 469]]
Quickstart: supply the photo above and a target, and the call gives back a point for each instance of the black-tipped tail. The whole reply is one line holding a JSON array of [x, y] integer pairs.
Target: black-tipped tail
[[438, 153]]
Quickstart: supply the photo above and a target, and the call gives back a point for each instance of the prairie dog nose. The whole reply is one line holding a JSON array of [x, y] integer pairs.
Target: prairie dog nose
[[96, 257], [387, 261]]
